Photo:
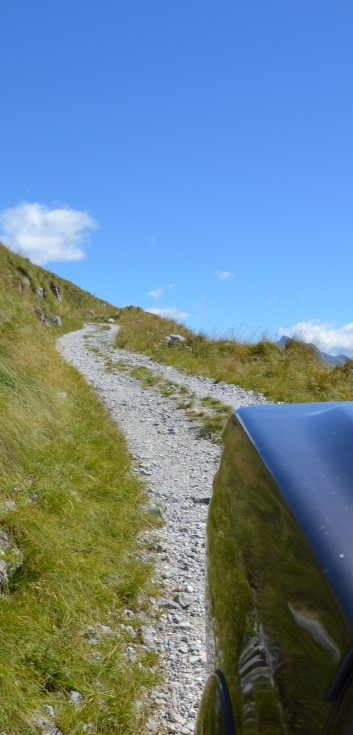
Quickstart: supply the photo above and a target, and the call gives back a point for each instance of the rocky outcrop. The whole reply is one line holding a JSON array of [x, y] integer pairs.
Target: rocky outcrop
[[11, 558], [56, 292], [43, 318], [174, 339], [57, 320], [25, 277]]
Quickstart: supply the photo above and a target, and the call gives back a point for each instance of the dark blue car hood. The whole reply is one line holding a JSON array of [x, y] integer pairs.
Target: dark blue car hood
[[308, 449]]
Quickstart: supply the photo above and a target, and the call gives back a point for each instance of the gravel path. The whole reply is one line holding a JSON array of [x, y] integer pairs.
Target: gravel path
[[177, 467]]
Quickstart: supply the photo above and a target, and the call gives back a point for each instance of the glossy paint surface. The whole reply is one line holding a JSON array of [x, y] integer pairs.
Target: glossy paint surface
[[277, 627], [308, 449]]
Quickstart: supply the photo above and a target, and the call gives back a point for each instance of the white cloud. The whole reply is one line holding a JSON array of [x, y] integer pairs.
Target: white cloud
[[327, 337], [171, 312], [156, 293], [46, 234], [224, 275]]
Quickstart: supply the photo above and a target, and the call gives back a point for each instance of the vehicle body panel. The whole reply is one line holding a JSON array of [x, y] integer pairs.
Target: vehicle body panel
[[279, 572]]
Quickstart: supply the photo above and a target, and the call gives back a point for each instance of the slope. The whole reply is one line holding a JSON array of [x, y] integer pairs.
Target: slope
[[292, 373], [72, 579]]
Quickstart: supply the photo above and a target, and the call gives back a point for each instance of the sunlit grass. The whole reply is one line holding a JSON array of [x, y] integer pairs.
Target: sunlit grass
[[294, 373], [73, 513], [209, 414]]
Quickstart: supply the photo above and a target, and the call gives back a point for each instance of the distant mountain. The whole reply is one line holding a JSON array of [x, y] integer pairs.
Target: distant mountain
[[332, 360]]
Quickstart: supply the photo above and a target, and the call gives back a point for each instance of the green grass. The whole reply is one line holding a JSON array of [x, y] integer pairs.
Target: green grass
[[294, 373], [72, 509], [22, 278], [74, 514], [210, 414], [145, 376]]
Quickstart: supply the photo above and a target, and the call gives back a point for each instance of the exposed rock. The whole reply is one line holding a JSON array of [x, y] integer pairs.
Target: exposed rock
[[48, 710], [47, 727], [43, 317], [7, 505], [91, 635], [56, 292], [40, 292], [202, 500], [173, 339], [57, 320], [104, 628], [75, 697], [11, 557], [111, 320], [152, 725], [25, 277]]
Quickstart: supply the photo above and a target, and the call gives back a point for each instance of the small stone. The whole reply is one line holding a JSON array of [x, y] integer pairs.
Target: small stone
[[202, 501], [56, 291], [96, 656], [152, 725], [170, 605], [129, 629], [57, 320], [159, 702], [129, 613], [8, 505], [175, 717], [49, 710], [182, 467], [172, 339], [46, 726], [75, 697], [105, 629]]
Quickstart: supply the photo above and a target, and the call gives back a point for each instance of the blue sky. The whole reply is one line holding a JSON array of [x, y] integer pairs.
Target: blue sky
[[198, 154]]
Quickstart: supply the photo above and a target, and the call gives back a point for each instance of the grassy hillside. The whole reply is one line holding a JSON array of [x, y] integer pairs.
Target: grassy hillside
[[72, 578], [74, 582], [46, 296], [294, 373]]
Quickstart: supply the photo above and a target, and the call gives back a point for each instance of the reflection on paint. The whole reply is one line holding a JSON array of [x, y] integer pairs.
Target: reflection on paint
[[316, 629], [275, 629]]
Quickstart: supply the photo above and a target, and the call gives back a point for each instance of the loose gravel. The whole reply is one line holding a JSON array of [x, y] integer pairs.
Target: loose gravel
[[177, 466]]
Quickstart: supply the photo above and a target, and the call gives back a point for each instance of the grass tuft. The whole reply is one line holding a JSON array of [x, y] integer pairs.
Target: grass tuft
[[73, 581], [294, 373]]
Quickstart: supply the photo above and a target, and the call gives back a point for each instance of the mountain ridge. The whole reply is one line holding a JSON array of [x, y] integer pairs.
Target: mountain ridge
[[328, 359]]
